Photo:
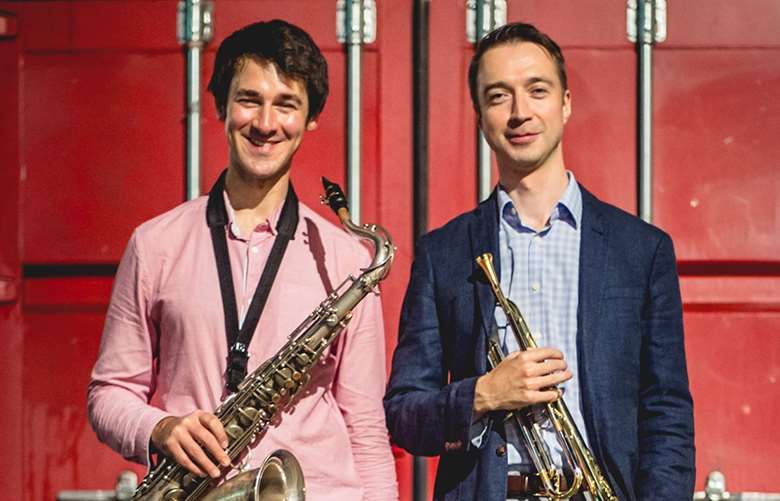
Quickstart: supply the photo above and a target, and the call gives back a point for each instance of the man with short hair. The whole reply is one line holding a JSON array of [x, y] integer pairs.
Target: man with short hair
[[597, 287], [166, 361]]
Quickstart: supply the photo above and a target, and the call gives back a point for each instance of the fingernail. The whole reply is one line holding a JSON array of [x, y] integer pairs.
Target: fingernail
[[215, 473]]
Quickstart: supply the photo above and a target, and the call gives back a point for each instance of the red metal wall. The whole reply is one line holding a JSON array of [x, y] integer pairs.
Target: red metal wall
[[10, 261], [98, 109], [716, 187], [717, 192], [92, 99]]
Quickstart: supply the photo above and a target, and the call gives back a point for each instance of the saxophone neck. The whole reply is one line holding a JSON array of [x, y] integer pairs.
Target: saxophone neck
[[379, 237]]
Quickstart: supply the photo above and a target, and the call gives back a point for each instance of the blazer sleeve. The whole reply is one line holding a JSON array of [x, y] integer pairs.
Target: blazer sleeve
[[665, 417], [426, 414]]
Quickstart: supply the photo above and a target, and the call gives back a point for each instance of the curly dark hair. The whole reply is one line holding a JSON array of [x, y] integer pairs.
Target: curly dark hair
[[514, 33], [287, 46]]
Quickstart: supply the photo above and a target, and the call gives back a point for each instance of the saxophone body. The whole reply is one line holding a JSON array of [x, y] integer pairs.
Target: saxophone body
[[584, 473], [270, 389]]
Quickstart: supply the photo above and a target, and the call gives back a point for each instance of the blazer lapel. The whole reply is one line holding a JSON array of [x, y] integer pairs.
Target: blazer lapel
[[483, 236], [592, 276]]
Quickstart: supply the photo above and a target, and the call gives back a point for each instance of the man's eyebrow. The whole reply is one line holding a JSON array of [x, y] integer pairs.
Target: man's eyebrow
[[247, 93], [250, 93], [534, 80], [504, 85]]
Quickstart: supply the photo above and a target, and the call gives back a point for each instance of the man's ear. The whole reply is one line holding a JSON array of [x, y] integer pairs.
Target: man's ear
[[311, 124], [566, 105]]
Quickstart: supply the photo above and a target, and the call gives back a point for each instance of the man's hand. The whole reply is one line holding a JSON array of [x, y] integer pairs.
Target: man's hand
[[184, 439], [523, 378]]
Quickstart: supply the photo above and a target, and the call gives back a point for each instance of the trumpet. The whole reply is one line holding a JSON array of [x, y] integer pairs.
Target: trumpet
[[584, 472]]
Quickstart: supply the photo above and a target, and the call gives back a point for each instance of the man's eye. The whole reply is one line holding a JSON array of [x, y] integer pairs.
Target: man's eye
[[539, 91], [288, 106], [497, 98]]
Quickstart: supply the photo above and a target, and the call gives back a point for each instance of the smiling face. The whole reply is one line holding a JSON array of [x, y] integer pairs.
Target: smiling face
[[523, 107], [265, 119]]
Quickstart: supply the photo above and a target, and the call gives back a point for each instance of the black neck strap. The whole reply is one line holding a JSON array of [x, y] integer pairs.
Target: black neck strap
[[238, 339]]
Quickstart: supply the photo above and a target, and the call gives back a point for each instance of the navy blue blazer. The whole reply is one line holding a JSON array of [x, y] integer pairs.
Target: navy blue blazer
[[632, 373]]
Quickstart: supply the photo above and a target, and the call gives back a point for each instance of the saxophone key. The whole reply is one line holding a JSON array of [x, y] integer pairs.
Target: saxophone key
[[233, 431], [174, 495], [283, 378], [247, 415]]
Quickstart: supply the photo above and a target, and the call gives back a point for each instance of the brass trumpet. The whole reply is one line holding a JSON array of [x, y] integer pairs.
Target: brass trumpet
[[584, 471]]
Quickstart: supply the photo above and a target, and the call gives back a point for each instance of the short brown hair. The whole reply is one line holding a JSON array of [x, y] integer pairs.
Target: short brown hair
[[287, 46], [514, 33]]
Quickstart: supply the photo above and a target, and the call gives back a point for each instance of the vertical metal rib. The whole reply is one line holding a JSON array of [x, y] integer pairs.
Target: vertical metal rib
[[194, 30], [420, 24], [420, 111], [192, 175], [354, 34], [645, 34]]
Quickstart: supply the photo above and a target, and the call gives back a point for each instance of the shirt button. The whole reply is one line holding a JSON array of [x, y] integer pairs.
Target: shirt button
[[255, 250], [501, 451], [536, 286]]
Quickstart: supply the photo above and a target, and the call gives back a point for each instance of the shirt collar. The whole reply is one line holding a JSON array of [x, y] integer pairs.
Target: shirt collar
[[568, 208], [269, 225]]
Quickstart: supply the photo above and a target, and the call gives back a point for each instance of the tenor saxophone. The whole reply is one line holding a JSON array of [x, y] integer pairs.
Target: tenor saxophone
[[265, 393]]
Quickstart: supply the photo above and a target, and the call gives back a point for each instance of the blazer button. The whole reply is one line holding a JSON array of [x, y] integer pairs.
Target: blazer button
[[501, 451]]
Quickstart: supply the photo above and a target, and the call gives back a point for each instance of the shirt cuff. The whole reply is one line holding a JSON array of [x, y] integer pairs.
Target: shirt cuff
[[477, 431], [144, 436]]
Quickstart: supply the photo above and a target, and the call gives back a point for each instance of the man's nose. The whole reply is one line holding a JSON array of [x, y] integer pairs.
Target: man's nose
[[520, 111], [265, 120]]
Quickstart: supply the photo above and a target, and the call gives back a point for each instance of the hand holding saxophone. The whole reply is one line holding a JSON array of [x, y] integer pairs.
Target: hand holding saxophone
[[187, 439], [523, 378]]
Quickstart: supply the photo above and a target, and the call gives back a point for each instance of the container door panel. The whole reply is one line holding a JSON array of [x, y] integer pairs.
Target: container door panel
[[734, 364], [62, 321], [102, 113], [102, 134], [717, 191], [716, 186], [11, 421], [106, 159]]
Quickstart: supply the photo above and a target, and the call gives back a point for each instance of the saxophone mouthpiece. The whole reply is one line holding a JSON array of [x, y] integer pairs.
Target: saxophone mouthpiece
[[334, 196]]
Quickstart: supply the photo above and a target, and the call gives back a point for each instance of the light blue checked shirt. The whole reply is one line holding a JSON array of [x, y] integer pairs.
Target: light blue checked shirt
[[540, 274]]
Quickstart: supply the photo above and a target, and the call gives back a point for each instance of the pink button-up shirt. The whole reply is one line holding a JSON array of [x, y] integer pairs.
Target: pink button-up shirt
[[164, 350]]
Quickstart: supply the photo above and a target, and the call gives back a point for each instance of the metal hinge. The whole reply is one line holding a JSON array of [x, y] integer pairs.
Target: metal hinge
[[493, 16], [195, 22], [7, 24], [715, 490], [364, 23], [124, 491], [654, 27]]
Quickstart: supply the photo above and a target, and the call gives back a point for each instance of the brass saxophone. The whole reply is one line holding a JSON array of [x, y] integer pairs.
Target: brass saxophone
[[584, 471], [265, 393]]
